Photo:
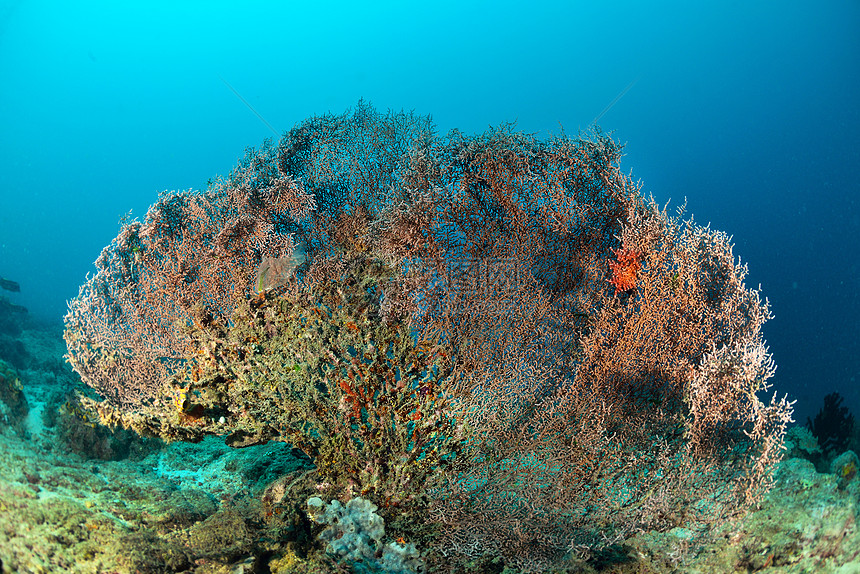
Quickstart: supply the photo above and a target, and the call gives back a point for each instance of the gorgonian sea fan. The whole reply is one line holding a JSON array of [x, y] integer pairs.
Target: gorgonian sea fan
[[494, 332]]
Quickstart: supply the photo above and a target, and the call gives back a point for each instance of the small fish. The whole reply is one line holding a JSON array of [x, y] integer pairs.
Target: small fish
[[276, 271]]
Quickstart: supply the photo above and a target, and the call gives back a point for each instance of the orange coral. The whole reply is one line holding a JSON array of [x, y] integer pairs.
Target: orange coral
[[625, 269]]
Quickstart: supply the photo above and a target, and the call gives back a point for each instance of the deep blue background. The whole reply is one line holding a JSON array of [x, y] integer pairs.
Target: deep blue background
[[747, 109]]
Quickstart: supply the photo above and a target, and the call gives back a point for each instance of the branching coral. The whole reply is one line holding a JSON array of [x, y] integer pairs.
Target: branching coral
[[448, 344], [323, 372]]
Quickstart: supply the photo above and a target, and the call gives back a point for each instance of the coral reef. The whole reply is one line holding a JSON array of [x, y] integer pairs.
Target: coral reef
[[801, 443], [166, 512], [805, 524], [432, 321], [13, 403], [844, 467], [13, 319], [10, 317], [355, 533], [206, 508]]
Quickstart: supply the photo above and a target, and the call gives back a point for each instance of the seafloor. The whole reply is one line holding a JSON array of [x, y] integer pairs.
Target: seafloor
[[79, 498]]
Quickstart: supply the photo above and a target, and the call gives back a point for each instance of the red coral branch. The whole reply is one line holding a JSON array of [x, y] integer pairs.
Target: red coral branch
[[625, 270]]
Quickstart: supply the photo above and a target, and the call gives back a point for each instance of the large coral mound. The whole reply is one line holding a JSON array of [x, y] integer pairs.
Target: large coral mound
[[496, 333]]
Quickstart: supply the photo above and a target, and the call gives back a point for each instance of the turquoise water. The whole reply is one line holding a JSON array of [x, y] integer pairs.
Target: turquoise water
[[748, 111]]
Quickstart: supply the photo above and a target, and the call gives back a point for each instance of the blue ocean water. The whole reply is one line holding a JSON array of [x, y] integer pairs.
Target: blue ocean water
[[747, 110]]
